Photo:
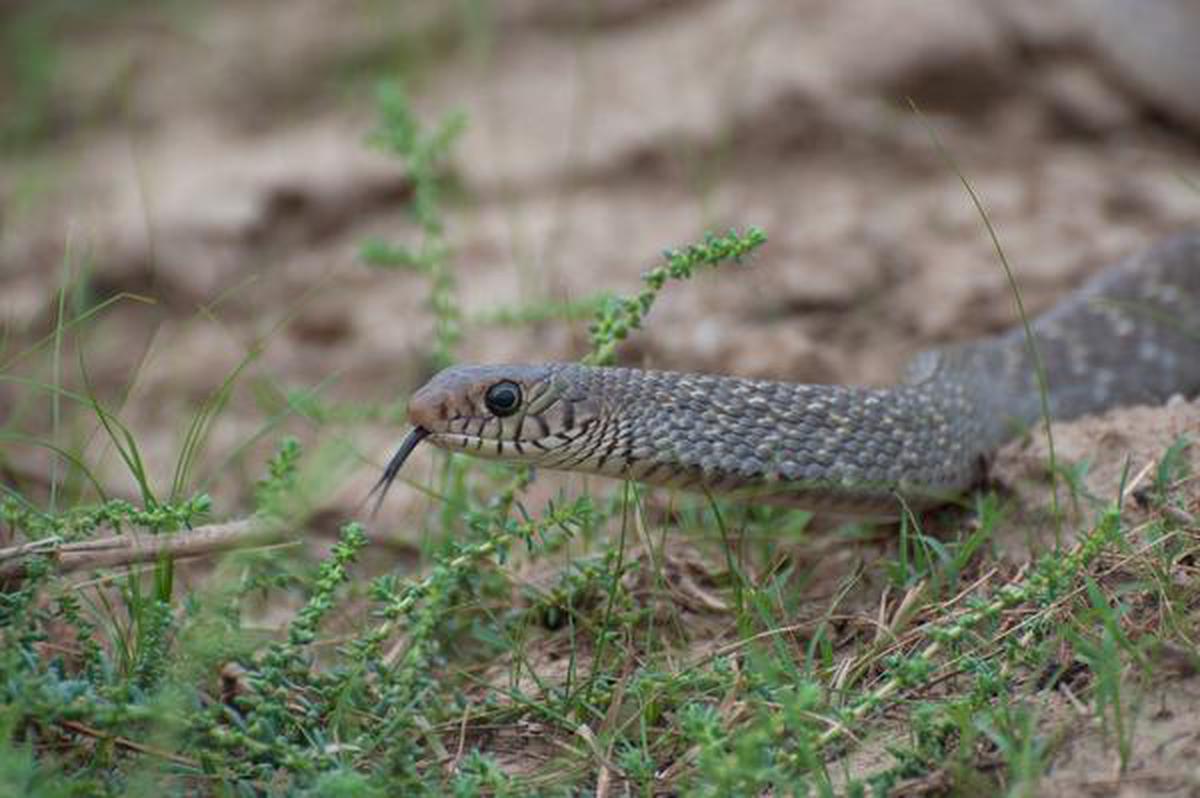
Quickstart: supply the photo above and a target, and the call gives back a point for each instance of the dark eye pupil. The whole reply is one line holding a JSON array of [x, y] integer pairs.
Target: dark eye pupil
[[503, 398]]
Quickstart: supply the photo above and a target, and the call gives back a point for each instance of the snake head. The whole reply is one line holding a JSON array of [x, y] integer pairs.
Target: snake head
[[516, 412]]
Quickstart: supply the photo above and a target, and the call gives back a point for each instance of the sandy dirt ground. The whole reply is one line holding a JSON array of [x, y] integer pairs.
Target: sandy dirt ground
[[215, 161]]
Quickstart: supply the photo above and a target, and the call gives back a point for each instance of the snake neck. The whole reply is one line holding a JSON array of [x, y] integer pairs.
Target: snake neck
[[835, 449], [1130, 335]]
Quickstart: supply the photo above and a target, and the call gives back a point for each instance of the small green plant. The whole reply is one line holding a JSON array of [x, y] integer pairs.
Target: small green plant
[[1104, 647], [619, 316], [424, 155]]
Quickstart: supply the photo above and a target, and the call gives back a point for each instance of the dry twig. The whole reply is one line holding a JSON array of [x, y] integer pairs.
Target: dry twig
[[128, 549]]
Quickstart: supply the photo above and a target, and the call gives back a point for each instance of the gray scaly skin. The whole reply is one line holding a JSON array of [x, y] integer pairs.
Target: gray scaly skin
[[1130, 335]]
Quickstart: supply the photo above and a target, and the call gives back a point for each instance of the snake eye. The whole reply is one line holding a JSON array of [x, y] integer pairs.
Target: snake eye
[[503, 398]]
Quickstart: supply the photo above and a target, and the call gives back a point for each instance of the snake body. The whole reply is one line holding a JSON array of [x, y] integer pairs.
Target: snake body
[[1129, 335]]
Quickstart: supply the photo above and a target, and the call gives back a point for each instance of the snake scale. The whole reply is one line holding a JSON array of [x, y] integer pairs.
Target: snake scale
[[1129, 335]]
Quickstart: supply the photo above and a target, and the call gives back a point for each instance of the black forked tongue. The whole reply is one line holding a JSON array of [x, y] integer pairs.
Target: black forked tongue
[[417, 435]]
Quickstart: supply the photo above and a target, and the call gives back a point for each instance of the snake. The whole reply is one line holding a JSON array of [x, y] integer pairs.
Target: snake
[[1129, 335]]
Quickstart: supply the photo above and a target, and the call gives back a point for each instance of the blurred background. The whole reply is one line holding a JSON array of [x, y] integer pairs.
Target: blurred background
[[193, 216]]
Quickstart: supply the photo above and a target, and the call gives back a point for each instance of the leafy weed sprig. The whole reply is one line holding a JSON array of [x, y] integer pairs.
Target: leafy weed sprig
[[423, 155], [618, 316]]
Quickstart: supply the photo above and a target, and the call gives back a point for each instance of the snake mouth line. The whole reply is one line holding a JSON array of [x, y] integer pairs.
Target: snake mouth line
[[454, 441], [414, 437]]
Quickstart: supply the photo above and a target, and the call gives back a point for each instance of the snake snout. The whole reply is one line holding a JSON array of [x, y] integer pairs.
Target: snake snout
[[446, 396], [429, 407]]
